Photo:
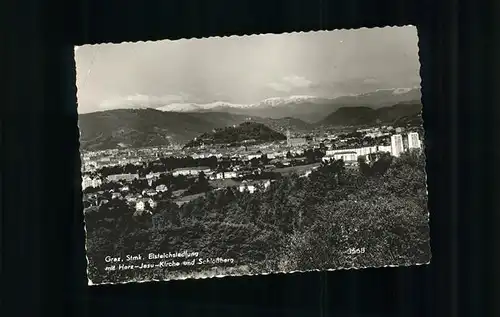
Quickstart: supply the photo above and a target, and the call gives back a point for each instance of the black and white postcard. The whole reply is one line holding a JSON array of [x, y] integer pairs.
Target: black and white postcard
[[248, 155]]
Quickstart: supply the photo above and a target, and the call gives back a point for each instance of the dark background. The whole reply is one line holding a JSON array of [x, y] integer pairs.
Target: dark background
[[43, 260]]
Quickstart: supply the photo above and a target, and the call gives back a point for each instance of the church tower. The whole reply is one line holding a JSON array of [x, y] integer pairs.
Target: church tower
[[288, 138]]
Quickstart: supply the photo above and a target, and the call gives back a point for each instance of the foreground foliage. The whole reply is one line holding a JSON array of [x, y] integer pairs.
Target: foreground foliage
[[297, 224]]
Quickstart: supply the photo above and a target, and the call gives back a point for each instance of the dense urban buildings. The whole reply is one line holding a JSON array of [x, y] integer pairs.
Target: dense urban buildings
[[236, 164]]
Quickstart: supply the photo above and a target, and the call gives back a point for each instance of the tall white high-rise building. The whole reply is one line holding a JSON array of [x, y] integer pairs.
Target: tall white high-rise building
[[396, 145], [413, 141]]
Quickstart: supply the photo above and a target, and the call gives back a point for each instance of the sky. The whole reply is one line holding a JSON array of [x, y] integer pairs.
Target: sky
[[246, 69]]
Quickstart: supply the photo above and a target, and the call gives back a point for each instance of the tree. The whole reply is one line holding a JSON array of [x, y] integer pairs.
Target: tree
[[303, 223], [168, 213], [381, 165], [253, 209], [203, 183], [264, 159], [391, 230], [364, 168], [255, 162]]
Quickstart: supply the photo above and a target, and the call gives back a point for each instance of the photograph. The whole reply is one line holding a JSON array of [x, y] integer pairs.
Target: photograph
[[252, 155]]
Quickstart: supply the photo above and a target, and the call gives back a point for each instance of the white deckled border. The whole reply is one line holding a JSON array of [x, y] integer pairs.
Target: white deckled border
[[206, 273]]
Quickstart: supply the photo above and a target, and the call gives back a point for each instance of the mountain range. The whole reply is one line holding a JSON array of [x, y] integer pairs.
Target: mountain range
[[149, 127], [307, 108], [400, 114], [131, 128]]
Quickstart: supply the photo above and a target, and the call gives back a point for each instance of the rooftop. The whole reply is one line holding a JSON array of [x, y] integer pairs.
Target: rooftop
[[197, 168], [254, 182], [345, 152]]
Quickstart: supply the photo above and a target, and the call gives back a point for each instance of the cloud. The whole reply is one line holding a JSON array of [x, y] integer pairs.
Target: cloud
[[297, 81], [141, 101], [370, 80], [280, 87], [288, 83]]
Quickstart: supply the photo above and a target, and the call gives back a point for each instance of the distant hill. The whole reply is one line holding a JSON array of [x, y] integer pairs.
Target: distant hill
[[132, 128], [248, 131], [401, 114], [222, 119], [287, 123], [315, 109], [414, 120]]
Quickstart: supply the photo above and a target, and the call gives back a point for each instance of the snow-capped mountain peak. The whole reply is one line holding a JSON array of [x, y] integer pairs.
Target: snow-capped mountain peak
[[223, 104], [398, 91], [190, 107], [274, 101], [270, 102], [278, 101], [179, 107]]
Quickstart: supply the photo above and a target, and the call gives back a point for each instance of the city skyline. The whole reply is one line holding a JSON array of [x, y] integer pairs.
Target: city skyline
[[246, 70]]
